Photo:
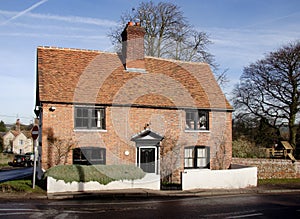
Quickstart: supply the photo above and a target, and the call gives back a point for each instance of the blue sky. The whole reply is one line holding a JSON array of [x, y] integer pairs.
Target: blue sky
[[242, 32]]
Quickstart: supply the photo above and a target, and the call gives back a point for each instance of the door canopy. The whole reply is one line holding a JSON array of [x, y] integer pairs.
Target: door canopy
[[147, 138]]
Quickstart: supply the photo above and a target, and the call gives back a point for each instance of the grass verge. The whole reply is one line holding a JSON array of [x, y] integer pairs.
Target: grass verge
[[278, 181], [20, 186]]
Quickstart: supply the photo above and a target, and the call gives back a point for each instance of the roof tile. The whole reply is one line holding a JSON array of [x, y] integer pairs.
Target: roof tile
[[89, 76]]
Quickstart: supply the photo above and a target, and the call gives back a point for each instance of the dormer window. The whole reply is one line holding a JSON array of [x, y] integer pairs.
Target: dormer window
[[196, 120]]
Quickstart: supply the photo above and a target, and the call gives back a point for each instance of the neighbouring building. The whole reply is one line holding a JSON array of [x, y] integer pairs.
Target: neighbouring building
[[17, 141], [162, 115]]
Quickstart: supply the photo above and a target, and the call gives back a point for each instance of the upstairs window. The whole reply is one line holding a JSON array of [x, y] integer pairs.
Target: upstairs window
[[196, 157], [89, 118], [196, 120]]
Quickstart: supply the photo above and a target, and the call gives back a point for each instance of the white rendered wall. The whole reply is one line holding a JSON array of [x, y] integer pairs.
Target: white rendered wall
[[150, 181], [219, 179]]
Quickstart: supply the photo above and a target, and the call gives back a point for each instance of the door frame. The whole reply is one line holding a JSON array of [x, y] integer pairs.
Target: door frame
[[156, 158], [148, 139]]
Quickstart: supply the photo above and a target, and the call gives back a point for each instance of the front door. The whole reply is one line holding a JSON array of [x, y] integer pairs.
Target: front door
[[147, 159]]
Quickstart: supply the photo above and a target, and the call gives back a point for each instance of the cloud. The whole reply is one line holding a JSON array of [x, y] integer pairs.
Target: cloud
[[57, 36], [69, 19], [276, 20], [25, 11], [242, 45], [53, 27], [235, 48], [75, 19]]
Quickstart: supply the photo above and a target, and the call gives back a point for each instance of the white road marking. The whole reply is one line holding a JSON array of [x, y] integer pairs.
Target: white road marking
[[16, 213], [245, 215]]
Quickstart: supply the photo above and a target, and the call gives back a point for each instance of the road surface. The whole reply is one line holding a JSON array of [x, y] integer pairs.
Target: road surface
[[283, 205], [18, 173]]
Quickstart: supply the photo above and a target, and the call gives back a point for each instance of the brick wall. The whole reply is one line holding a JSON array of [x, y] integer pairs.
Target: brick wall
[[57, 124], [271, 168], [124, 122]]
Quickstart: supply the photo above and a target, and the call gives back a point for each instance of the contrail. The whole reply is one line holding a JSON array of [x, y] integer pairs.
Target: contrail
[[274, 19], [25, 11]]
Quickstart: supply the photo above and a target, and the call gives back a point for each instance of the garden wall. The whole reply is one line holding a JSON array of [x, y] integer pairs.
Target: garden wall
[[271, 168], [240, 177], [150, 181]]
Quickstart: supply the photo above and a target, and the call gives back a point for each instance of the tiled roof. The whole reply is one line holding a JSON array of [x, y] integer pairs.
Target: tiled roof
[[15, 133], [89, 76]]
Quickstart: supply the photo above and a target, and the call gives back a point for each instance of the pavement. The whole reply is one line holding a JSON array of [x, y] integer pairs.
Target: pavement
[[147, 193]]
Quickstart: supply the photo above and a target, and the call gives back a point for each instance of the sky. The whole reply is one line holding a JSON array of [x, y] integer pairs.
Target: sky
[[241, 31]]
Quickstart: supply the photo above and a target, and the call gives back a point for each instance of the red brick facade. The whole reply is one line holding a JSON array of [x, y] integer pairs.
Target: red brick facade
[[124, 122]]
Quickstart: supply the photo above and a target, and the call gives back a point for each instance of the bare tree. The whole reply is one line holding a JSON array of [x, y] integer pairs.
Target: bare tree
[[168, 34], [170, 158], [221, 156], [59, 149], [270, 88]]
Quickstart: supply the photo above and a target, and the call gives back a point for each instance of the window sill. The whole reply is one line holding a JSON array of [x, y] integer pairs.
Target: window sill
[[196, 168], [90, 130], [207, 131]]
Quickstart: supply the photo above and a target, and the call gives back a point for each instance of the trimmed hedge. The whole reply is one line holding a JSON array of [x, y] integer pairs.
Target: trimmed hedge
[[103, 174]]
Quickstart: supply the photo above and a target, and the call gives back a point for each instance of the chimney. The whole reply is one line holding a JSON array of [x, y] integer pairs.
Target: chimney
[[133, 51], [18, 125]]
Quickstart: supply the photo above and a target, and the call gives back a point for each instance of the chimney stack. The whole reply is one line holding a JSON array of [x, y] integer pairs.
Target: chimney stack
[[133, 51], [18, 125]]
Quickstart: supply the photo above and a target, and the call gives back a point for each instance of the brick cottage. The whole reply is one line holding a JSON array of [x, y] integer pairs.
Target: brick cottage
[[161, 115]]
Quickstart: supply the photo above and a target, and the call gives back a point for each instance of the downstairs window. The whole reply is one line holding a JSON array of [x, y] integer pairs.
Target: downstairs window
[[89, 155], [196, 157]]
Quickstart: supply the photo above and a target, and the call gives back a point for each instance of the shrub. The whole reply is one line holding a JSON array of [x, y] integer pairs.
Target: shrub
[[103, 174], [243, 148]]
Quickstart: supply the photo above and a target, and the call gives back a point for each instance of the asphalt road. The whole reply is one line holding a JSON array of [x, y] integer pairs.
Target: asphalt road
[[283, 205], [18, 173]]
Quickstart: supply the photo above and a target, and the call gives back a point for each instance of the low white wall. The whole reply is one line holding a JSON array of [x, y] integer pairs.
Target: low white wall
[[150, 181], [219, 179]]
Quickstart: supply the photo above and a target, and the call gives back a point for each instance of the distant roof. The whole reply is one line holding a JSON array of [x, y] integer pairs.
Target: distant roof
[[94, 77], [15, 133]]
